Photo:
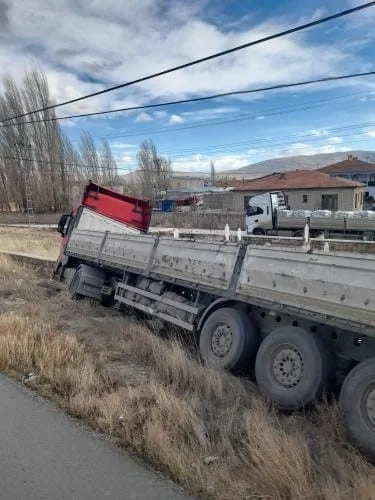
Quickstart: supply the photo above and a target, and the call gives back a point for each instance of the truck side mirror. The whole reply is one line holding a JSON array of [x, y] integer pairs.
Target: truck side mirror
[[63, 224]]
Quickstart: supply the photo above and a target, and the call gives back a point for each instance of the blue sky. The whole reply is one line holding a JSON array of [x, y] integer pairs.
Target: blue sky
[[87, 46]]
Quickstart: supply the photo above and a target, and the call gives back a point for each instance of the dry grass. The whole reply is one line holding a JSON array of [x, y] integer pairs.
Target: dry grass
[[36, 241], [208, 430]]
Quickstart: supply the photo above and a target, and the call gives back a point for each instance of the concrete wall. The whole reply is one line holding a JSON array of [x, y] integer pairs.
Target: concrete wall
[[230, 200], [235, 200], [187, 182]]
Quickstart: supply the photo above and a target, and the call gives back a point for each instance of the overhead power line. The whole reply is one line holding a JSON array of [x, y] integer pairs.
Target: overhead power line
[[132, 169], [197, 99], [202, 59], [240, 117]]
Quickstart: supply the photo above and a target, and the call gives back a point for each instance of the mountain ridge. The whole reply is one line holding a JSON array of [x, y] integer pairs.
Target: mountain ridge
[[299, 162]]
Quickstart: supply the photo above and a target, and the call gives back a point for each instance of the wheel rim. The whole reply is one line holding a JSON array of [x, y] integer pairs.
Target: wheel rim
[[368, 404], [222, 339], [287, 366]]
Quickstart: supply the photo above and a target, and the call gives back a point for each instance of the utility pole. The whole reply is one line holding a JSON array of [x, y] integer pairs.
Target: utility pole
[[213, 174], [26, 150]]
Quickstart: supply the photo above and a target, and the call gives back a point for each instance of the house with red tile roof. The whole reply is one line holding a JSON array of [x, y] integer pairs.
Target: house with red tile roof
[[303, 189], [356, 170]]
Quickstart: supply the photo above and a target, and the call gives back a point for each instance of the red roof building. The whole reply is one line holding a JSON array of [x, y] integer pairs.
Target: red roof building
[[296, 179], [303, 189]]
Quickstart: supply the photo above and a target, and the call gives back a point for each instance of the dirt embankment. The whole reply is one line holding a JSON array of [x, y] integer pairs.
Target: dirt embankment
[[208, 430]]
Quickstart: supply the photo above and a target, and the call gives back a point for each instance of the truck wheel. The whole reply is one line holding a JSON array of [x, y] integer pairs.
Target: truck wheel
[[259, 232], [73, 285], [357, 405], [228, 340], [293, 368]]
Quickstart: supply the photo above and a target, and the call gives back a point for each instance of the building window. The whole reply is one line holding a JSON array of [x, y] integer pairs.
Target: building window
[[330, 201], [304, 198], [355, 200]]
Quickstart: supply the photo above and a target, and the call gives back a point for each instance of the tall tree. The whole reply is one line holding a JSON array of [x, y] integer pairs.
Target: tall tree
[[35, 148], [154, 172]]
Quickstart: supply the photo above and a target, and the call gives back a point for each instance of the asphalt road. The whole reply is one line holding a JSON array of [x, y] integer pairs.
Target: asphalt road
[[46, 455]]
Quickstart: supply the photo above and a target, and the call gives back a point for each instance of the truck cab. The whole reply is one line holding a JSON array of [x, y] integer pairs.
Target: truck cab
[[261, 212]]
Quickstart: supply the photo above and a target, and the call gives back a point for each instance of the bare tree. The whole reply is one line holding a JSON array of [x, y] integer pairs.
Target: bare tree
[[108, 164], [34, 148], [154, 172]]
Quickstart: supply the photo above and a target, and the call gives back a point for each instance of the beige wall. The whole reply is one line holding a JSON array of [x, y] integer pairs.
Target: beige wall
[[187, 182], [234, 200], [346, 198], [231, 200]]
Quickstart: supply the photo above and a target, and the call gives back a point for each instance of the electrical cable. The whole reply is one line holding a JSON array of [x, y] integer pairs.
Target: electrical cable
[[202, 59]]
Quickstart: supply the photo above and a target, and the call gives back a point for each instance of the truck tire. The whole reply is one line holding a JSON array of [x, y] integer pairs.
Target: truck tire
[[228, 340], [259, 232], [73, 285], [357, 405], [293, 368]]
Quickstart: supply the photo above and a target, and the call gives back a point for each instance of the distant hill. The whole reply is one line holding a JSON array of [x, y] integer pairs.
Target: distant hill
[[301, 162]]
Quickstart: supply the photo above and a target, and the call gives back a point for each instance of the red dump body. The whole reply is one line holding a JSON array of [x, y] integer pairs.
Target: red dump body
[[131, 211]]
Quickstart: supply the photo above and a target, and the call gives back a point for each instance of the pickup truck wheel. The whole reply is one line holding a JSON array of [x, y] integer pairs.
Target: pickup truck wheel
[[357, 405], [292, 368], [228, 340]]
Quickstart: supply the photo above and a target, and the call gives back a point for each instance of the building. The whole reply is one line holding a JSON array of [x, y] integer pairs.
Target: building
[[188, 182], [303, 189], [355, 170]]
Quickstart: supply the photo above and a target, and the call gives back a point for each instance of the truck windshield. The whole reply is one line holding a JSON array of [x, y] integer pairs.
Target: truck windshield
[[254, 210]]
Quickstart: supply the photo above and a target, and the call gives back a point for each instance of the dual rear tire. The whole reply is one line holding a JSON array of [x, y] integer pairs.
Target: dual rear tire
[[357, 405], [293, 368]]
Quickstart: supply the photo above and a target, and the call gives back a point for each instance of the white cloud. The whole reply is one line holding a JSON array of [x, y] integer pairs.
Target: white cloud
[[126, 160], [309, 149], [127, 45], [261, 117], [335, 140], [176, 119], [143, 118], [318, 132], [160, 114], [68, 123], [122, 145], [201, 163], [371, 133], [208, 113]]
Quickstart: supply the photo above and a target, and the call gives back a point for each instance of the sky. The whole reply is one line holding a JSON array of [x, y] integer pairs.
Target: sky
[[85, 46]]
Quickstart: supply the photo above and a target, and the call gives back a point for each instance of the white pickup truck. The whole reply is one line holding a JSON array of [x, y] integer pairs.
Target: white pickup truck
[[267, 214]]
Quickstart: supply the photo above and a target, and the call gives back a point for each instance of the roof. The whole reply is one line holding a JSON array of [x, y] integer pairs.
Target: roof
[[350, 165], [296, 179]]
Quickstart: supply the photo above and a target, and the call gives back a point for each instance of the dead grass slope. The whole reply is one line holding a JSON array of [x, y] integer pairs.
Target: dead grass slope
[[36, 241], [208, 430]]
